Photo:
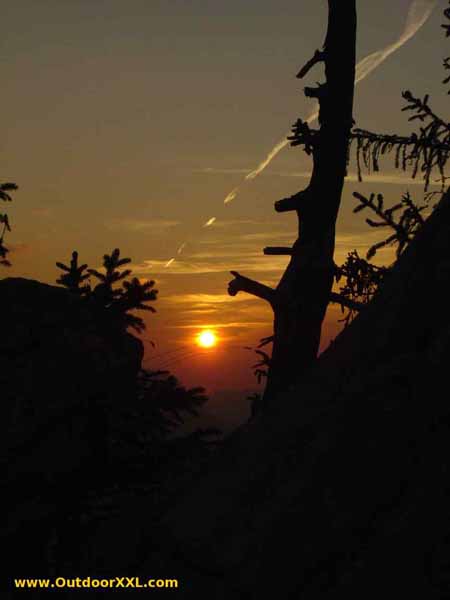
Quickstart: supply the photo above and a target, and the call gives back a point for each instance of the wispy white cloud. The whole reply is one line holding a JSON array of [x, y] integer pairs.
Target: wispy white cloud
[[203, 299], [240, 324], [183, 267], [247, 256], [232, 253], [153, 225], [268, 236], [362, 239], [381, 178], [42, 212], [200, 311], [236, 222], [223, 171], [19, 247]]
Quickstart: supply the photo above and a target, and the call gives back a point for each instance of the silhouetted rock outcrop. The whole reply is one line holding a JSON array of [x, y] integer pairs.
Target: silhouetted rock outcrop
[[344, 487], [63, 371], [61, 368]]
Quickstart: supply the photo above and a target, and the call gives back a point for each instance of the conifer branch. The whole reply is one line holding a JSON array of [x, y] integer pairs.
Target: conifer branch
[[426, 151]]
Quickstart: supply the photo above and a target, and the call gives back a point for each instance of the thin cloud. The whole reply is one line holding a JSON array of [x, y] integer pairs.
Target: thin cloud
[[136, 225], [246, 255], [43, 212], [221, 171], [268, 236], [253, 261], [200, 311], [243, 324], [203, 299], [231, 254], [237, 222], [382, 178], [19, 248], [358, 239], [182, 267]]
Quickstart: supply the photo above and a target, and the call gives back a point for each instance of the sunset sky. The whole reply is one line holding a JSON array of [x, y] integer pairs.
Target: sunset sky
[[126, 124]]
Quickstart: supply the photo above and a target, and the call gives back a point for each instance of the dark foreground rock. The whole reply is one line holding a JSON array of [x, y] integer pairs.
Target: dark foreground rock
[[58, 364], [62, 372]]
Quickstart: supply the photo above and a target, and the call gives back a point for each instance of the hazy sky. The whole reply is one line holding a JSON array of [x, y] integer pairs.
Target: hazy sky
[[126, 124]]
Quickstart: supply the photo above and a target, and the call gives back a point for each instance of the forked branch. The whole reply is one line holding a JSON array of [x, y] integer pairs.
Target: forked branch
[[319, 56]]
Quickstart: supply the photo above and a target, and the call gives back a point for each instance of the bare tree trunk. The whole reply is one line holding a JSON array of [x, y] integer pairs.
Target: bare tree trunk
[[301, 298]]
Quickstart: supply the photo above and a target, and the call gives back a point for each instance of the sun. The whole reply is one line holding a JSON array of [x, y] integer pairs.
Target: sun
[[207, 339]]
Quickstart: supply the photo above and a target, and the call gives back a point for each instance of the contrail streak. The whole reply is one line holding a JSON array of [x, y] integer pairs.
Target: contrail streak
[[231, 196], [418, 14], [275, 150]]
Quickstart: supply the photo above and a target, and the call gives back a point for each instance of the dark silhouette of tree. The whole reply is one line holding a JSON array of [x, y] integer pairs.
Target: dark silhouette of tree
[[361, 280], [104, 292], [134, 297], [112, 302], [158, 405], [254, 399], [301, 297], [300, 300], [5, 189], [404, 229], [426, 151], [163, 404], [73, 277], [446, 26], [139, 445]]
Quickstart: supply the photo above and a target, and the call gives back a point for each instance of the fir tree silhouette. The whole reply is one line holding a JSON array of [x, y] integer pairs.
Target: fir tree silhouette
[[104, 292], [5, 189], [426, 151], [112, 302], [74, 276]]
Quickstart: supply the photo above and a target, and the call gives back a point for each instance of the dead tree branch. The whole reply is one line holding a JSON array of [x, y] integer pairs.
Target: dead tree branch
[[319, 56], [250, 286]]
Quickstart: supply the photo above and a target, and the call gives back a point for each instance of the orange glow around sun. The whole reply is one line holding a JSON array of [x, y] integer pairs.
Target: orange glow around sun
[[207, 339]]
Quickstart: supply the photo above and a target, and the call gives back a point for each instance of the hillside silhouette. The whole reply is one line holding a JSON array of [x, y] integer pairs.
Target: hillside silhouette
[[349, 495]]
